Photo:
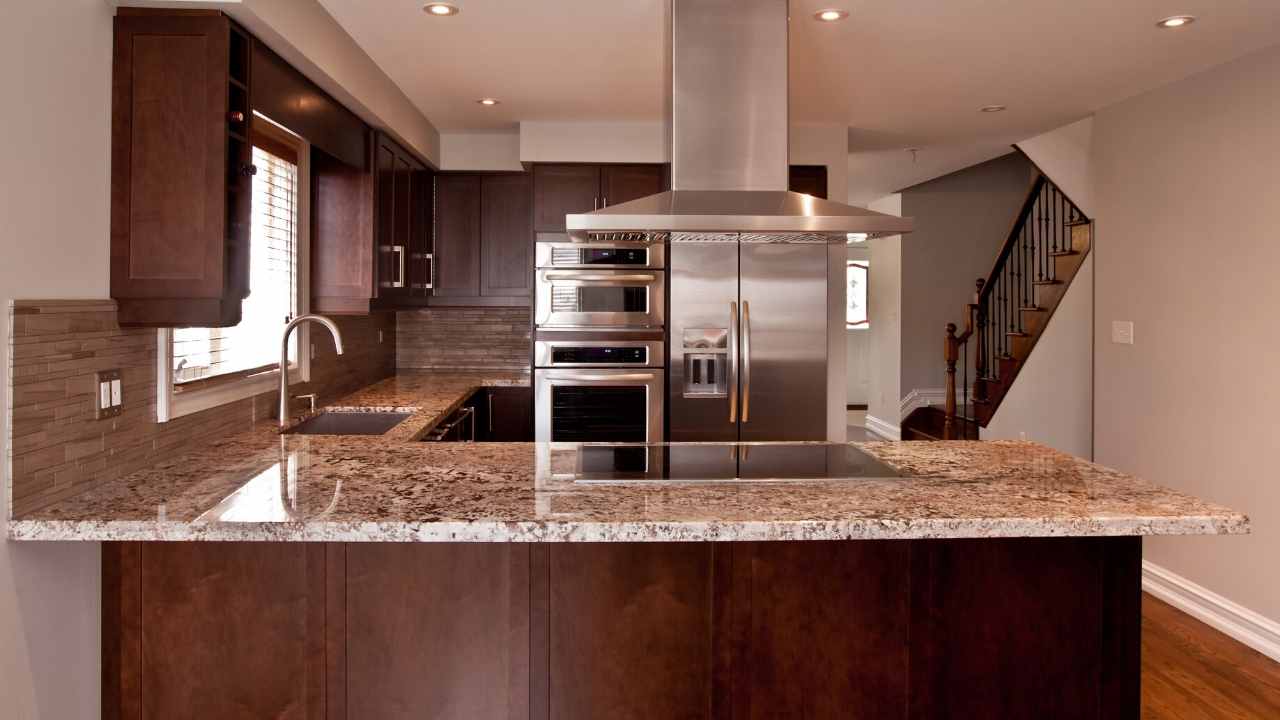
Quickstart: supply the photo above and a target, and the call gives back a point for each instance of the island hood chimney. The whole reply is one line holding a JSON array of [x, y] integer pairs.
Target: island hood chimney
[[727, 127]]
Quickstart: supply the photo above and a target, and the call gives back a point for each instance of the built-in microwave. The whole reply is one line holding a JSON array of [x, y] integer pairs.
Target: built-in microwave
[[600, 299]]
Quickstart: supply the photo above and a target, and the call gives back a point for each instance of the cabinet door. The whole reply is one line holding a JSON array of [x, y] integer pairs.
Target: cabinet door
[[179, 186], [341, 236], [422, 184], [510, 415], [623, 183], [393, 223], [808, 179], [457, 239], [506, 235], [559, 190]]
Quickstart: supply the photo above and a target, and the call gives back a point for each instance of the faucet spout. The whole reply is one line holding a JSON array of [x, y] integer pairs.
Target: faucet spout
[[284, 358]]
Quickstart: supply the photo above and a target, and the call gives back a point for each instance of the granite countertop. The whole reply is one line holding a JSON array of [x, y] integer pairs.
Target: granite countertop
[[259, 485]]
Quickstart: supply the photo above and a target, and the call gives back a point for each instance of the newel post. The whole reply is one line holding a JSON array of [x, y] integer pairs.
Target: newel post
[[952, 351]]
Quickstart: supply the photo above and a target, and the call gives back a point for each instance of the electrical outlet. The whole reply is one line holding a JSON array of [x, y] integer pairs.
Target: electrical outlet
[[110, 395], [1122, 332]]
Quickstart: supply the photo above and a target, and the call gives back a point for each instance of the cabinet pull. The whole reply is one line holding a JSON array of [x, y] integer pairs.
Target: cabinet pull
[[249, 170], [595, 203], [399, 250], [490, 396], [605, 204]]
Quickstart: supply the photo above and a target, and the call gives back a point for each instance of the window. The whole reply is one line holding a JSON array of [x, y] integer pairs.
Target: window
[[857, 273], [205, 367]]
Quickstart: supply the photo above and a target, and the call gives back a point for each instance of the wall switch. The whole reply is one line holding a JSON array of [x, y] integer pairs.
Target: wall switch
[[110, 396], [1122, 332]]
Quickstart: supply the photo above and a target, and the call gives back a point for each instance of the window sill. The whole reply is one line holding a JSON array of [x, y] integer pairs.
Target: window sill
[[189, 403]]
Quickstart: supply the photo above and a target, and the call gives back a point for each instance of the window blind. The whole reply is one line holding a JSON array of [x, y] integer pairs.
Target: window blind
[[253, 345]]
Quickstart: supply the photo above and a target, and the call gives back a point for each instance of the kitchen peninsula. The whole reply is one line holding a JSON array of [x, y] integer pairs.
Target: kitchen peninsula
[[386, 577]]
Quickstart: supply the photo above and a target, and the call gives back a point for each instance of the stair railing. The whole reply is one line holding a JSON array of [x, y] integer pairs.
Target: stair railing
[[1041, 230]]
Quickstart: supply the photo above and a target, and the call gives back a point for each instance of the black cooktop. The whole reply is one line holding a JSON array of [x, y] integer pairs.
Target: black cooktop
[[726, 462]]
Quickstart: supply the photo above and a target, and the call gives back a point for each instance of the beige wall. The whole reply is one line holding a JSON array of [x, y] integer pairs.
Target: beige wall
[[858, 349], [1186, 249], [1059, 373], [884, 381], [1051, 402], [961, 222], [480, 150], [55, 57]]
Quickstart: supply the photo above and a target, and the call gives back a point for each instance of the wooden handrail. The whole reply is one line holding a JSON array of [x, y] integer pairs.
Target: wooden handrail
[[1015, 232]]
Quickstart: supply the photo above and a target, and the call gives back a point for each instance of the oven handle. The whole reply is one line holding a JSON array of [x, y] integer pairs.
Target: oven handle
[[606, 378], [596, 277]]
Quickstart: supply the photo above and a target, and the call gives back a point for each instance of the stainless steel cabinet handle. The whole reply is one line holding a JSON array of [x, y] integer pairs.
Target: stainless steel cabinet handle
[[489, 395], [746, 361], [595, 277], [625, 377], [733, 361], [595, 203], [399, 250], [605, 204]]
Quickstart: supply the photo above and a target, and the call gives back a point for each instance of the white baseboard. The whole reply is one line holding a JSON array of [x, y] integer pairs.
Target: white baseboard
[[925, 397], [1258, 632], [886, 430]]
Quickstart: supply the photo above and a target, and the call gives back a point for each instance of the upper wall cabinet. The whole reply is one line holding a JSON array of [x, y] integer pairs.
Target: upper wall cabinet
[[560, 190], [180, 169], [483, 239], [371, 231]]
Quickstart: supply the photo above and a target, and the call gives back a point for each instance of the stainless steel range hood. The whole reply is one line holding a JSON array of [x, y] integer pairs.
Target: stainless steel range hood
[[728, 133]]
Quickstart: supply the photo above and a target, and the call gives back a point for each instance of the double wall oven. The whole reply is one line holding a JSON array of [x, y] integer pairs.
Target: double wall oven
[[599, 359]]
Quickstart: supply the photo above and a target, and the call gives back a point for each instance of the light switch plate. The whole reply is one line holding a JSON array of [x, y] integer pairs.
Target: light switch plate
[[110, 401], [1122, 332]]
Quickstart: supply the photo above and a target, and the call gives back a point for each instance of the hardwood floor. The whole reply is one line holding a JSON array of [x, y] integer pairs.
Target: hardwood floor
[[1192, 672]]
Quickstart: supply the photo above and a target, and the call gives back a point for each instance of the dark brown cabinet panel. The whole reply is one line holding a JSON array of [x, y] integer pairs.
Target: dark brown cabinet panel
[[342, 272], [510, 414], [180, 169], [623, 183], [457, 236], [808, 179], [393, 249], [506, 239], [216, 630], [630, 631], [559, 190], [437, 631]]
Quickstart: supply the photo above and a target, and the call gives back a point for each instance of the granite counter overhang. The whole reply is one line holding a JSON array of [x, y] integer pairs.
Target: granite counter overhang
[[260, 486]]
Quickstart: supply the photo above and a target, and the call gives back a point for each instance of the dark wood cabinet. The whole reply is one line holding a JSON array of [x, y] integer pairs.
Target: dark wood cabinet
[[483, 239], [509, 414], [808, 179], [180, 169], [371, 238], [560, 190], [506, 242], [623, 183], [457, 236]]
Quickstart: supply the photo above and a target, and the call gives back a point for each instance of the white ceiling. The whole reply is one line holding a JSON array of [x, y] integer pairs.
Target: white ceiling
[[899, 74]]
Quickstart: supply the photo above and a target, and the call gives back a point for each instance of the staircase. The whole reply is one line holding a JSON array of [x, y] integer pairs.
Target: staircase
[[1047, 244]]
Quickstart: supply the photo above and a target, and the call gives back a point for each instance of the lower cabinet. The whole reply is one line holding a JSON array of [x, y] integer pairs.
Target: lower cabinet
[[1036, 627]]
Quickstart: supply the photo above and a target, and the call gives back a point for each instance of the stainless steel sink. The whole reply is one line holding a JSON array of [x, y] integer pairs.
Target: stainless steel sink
[[349, 423]]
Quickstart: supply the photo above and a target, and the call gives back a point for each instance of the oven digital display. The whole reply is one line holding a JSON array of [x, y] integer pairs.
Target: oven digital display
[[614, 256], [600, 355]]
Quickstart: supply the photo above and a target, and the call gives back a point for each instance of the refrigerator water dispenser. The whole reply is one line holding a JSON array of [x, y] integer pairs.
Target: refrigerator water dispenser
[[706, 362]]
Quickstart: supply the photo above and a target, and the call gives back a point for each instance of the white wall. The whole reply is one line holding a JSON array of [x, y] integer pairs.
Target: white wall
[[858, 348], [1059, 373], [606, 142], [480, 150], [884, 381], [55, 60], [1186, 188], [1051, 402]]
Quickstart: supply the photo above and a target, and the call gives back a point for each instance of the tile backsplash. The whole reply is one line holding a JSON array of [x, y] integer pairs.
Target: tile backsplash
[[59, 449], [463, 338]]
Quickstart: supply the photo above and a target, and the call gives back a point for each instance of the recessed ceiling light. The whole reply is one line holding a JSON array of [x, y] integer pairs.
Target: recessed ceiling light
[[830, 15], [440, 9], [1176, 21], [488, 101], [993, 108]]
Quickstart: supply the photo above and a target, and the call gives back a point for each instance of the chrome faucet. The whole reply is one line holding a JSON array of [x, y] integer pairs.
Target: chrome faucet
[[284, 358]]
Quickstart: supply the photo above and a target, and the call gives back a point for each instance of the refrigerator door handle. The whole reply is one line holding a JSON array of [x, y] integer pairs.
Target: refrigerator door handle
[[733, 361], [746, 361]]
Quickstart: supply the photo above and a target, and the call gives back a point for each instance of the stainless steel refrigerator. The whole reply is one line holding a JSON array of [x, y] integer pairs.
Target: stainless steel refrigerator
[[750, 336]]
